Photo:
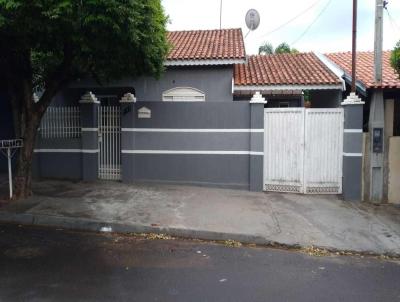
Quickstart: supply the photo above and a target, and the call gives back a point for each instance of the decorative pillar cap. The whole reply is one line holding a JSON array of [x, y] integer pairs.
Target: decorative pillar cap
[[352, 99], [258, 99], [89, 98], [128, 98]]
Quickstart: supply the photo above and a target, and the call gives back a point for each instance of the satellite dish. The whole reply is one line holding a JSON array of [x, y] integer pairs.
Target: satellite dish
[[252, 19]]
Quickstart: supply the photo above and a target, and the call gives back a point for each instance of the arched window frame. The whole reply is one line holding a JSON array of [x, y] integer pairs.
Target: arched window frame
[[183, 94]]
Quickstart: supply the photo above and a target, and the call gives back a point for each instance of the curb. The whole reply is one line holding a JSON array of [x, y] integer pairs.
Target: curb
[[83, 224]]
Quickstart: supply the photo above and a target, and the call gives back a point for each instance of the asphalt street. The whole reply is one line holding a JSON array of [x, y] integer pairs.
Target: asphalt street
[[42, 264]]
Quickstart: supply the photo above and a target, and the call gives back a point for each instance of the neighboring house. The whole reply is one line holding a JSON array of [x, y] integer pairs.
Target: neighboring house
[[283, 78], [386, 116]]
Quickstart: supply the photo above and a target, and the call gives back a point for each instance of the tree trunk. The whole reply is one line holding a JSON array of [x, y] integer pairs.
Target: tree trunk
[[26, 113], [29, 121], [23, 175]]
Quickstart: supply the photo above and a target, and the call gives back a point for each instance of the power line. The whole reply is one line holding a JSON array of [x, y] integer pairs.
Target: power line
[[393, 23], [290, 20], [311, 24]]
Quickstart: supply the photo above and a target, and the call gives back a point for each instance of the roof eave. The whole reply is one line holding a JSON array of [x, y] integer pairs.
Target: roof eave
[[345, 76], [239, 88], [202, 62], [359, 85], [339, 72]]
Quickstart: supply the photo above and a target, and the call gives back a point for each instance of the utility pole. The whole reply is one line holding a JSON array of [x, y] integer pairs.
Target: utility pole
[[220, 15], [377, 116], [378, 42], [354, 48]]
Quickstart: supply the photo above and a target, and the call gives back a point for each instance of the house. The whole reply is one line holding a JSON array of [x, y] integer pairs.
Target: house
[[283, 78], [182, 128], [384, 114], [216, 117]]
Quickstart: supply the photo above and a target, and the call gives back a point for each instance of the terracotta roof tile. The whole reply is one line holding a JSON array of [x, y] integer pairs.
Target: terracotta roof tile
[[216, 44], [284, 69], [365, 68]]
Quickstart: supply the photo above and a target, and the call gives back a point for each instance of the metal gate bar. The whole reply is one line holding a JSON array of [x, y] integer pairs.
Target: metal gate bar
[[110, 143]]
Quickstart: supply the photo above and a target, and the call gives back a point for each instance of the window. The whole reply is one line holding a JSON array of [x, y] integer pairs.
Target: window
[[183, 94]]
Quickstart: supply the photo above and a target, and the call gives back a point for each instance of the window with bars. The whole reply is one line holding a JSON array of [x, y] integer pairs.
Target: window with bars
[[61, 122]]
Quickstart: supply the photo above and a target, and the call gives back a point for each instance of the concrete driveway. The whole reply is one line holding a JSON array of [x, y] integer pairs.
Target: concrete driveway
[[210, 213]]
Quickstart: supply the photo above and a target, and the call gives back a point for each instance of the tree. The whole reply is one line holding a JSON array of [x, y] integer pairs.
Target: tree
[[47, 44], [282, 48], [268, 49], [395, 58]]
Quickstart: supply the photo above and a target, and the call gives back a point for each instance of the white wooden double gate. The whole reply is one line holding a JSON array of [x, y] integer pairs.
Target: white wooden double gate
[[303, 150], [109, 143]]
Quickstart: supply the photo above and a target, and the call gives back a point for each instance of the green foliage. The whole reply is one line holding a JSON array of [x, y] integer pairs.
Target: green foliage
[[306, 94], [268, 49], [395, 58], [49, 40], [283, 48]]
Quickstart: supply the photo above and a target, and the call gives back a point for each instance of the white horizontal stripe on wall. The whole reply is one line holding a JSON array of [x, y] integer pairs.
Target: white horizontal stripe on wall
[[353, 130], [192, 152], [66, 150], [192, 130], [90, 129], [352, 154]]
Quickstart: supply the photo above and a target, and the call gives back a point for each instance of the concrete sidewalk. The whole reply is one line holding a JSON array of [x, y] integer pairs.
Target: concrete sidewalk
[[217, 214]]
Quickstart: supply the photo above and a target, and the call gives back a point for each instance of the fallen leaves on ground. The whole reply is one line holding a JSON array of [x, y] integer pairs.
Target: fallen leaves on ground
[[232, 243], [315, 251], [154, 236]]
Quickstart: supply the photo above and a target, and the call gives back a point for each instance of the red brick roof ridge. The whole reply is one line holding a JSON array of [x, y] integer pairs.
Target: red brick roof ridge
[[210, 44], [365, 66], [284, 69]]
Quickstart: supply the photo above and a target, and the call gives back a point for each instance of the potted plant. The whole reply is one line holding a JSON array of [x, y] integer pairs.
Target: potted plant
[[307, 99]]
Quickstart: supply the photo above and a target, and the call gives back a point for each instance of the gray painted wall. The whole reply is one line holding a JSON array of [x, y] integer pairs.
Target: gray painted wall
[[232, 115], [223, 170], [230, 171], [63, 165], [227, 170], [58, 165], [352, 152], [214, 81]]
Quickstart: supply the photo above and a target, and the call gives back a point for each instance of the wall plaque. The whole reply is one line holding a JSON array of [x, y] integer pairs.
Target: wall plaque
[[144, 112]]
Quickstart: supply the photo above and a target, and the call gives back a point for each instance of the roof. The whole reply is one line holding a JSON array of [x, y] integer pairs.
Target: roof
[[220, 46], [365, 68], [301, 69]]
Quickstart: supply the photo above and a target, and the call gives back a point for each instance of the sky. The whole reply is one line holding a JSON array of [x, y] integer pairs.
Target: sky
[[330, 32]]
